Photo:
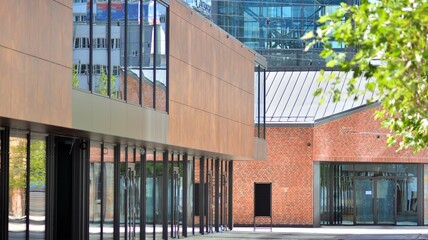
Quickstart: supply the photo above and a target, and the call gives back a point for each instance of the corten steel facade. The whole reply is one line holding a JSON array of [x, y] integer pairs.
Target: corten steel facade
[[113, 113], [338, 171]]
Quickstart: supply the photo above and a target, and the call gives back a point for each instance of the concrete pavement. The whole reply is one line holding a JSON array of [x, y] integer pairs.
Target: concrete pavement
[[342, 232]]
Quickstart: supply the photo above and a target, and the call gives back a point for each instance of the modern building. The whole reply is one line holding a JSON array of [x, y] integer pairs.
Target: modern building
[[122, 120], [273, 28]]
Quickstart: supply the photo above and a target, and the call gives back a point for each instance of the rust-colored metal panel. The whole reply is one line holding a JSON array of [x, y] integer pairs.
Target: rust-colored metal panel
[[36, 62], [211, 76]]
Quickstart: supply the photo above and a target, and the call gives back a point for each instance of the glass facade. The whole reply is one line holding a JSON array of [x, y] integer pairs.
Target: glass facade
[[352, 194], [120, 50], [274, 27]]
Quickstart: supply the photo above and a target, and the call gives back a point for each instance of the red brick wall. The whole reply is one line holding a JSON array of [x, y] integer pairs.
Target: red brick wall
[[289, 165], [358, 138], [288, 168]]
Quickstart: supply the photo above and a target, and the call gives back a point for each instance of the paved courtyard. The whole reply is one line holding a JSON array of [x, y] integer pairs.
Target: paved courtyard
[[366, 232]]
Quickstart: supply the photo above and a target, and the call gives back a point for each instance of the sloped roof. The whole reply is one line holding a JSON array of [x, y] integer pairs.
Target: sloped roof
[[290, 96]]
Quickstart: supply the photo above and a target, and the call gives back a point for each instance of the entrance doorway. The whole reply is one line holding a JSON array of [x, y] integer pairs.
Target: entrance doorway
[[375, 200], [63, 213]]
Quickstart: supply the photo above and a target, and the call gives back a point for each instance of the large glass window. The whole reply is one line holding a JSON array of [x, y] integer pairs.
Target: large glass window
[[368, 194], [27, 185], [120, 50]]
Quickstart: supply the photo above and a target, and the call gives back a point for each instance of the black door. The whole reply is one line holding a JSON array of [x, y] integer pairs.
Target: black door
[[63, 206]]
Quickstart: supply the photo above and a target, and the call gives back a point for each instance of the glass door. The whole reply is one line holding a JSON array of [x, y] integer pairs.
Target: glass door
[[364, 207], [375, 200], [385, 200]]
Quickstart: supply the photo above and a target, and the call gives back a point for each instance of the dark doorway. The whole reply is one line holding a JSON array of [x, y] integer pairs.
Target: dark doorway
[[63, 210]]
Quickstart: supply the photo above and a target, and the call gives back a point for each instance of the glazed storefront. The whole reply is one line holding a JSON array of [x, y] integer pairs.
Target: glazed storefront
[[55, 186], [373, 194]]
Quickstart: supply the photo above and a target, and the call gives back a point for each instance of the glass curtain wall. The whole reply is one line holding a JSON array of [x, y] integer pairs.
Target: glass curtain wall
[[368, 194], [274, 28], [27, 185], [120, 50]]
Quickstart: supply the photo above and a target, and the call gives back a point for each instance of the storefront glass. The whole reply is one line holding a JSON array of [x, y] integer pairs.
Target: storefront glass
[[368, 194]]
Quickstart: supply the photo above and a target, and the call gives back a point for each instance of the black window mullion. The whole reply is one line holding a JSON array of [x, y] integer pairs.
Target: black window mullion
[[155, 47], [27, 189], [264, 103], [109, 47], [258, 101], [102, 192], [154, 194], [125, 55], [140, 61], [143, 183], [126, 192], [167, 59], [91, 35], [172, 196], [116, 222], [4, 183]]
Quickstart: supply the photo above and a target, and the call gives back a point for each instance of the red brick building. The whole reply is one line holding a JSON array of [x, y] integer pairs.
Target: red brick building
[[332, 170]]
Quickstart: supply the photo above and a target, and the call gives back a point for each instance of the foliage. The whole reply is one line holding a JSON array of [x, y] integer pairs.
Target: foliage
[[75, 78], [18, 163], [389, 39], [101, 85]]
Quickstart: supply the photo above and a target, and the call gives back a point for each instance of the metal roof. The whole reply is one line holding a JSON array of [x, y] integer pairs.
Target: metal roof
[[290, 96]]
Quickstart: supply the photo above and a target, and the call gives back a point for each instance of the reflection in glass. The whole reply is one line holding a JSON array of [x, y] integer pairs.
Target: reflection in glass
[[117, 48], [37, 187], [147, 56], [95, 191], [123, 193], [81, 46], [149, 194], [17, 185], [159, 194], [108, 191], [161, 56], [132, 53]]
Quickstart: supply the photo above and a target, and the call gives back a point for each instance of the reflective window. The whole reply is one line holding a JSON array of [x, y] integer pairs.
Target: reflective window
[[37, 188], [161, 57], [108, 191], [147, 53], [150, 192], [95, 190], [126, 60], [17, 184]]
